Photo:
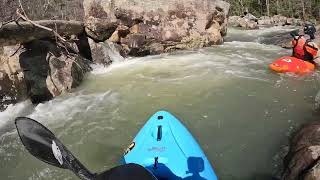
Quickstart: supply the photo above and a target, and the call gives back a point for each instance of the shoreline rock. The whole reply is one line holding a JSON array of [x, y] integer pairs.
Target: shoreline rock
[[284, 39], [12, 84], [149, 27], [114, 28], [22, 32], [245, 22], [39, 70], [50, 69], [302, 160], [251, 22]]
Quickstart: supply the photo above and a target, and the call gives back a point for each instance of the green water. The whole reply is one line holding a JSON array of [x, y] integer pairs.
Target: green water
[[239, 111]]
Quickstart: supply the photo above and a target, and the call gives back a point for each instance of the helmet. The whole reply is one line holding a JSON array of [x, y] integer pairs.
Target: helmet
[[309, 29]]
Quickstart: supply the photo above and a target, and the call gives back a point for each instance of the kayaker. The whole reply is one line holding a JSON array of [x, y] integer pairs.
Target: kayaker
[[303, 47]]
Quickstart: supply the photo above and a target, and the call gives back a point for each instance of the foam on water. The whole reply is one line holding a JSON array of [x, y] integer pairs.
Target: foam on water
[[12, 112], [65, 108], [224, 94]]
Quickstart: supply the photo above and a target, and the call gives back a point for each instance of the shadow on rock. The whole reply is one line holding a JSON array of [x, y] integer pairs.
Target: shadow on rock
[[302, 160], [51, 69]]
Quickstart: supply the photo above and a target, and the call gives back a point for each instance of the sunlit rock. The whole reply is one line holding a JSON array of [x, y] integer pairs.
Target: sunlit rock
[[152, 27]]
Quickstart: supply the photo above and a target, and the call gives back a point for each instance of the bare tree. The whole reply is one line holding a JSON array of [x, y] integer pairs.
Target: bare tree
[[268, 7], [303, 9], [278, 7]]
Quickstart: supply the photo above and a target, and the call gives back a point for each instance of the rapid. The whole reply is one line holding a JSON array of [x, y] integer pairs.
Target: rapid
[[240, 112]]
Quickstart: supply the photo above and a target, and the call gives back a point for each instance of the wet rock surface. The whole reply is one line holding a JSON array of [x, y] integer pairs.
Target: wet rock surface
[[284, 39], [50, 69], [105, 52], [149, 27], [251, 22], [99, 29], [12, 86], [39, 70], [244, 22], [302, 160], [116, 28]]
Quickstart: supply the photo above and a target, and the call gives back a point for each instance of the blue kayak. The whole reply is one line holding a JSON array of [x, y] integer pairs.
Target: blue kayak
[[166, 148]]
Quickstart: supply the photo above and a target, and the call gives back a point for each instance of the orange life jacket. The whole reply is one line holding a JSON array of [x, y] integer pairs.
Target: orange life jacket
[[302, 50]]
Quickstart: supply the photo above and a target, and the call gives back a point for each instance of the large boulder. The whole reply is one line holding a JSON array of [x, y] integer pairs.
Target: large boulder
[[12, 85], [99, 29], [302, 160], [41, 69], [246, 22], [251, 17], [22, 32], [151, 27], [313, 173], [105, 52], [284, 39], [279, 20], [265, 20], [234, 21], [51, 69]]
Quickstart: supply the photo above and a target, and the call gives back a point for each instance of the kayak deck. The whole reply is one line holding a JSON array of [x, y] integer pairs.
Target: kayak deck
[[166, 148], [290, 64]]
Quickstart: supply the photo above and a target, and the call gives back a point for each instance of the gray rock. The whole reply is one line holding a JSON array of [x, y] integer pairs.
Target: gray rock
[[12, 85], [313, 173], [244, 22], [279, 20], [234, 21], [156, 48], [248, 24], [302, 160], [99, 29], [250, 17], [143, 25], [265, 20], [105, 52], [49, 70]]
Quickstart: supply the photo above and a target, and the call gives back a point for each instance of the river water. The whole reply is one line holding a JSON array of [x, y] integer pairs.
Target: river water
[[239, 111]]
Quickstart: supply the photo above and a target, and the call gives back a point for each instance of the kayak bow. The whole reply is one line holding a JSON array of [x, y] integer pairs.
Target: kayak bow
[[166, 148]]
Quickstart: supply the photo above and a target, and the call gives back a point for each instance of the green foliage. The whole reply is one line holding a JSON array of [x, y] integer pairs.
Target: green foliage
[[304, 9]]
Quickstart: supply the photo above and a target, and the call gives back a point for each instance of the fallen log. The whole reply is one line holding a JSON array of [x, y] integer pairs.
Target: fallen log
[[24, 31]]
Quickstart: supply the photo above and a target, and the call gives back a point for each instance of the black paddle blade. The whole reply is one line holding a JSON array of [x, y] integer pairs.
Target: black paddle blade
[[126, 172], [38, 140], [294, 33], [43, 144]]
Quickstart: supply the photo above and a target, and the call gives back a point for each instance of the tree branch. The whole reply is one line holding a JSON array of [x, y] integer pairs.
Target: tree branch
[[21, 7], [40, 26]]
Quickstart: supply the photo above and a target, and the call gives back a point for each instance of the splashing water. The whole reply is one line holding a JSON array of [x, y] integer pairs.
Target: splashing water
[[239, 111]]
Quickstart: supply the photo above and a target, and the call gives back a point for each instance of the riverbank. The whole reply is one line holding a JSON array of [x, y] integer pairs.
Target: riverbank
[[54, 56], [201, 87], [284, 39], [109, 102], [251, 22]]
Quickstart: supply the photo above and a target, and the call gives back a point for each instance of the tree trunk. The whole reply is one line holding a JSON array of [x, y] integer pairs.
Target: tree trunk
[[303, 9], [290, 8], [278, 7], [261, 7], [22, 32], [241, 7], [268, 7]]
